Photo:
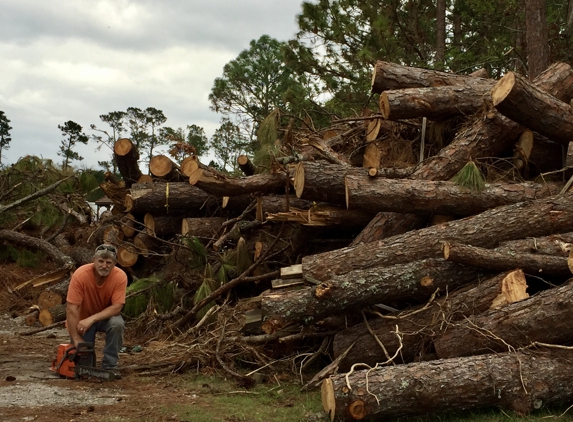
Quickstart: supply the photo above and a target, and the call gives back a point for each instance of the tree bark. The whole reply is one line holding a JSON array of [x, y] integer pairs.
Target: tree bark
[[518, 99], [411, 282], [126, 156], [323, 215], [220, 185], [389, 76], [536, 36], [387, 224], [437, 103], [56, 313], [518, 381], [202, 227], [420, 325], [541, 217], [546, 317], [145, 244], [556, 245], [246, 165], [163, 168], [437, 197], [49, 299], [493, 260], [162, 226], [492, 134]]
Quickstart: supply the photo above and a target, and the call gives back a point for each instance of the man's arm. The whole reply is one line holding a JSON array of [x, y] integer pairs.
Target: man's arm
[[73, 318], [112, 310]]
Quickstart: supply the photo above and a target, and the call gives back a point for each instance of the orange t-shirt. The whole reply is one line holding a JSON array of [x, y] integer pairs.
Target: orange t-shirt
[[90, 297]]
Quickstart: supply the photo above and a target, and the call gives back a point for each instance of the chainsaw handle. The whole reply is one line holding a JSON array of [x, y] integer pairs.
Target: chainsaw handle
[[84, 346]]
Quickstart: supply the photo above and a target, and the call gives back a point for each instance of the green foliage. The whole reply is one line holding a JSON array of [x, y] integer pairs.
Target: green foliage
[[149, 290], [243, 259], [23, 257], [228, 268], [470, 177], [72, 133], [5, 137], [227, 144], [208, 286], [199, 252]]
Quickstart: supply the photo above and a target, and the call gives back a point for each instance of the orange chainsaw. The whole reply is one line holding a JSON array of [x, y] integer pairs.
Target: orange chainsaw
[[79, 362]]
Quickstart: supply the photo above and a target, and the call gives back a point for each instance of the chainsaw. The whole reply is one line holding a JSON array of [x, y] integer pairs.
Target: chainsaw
[[79, 363]]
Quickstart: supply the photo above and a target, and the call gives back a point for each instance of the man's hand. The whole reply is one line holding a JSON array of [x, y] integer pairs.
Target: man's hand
[[84, 325]]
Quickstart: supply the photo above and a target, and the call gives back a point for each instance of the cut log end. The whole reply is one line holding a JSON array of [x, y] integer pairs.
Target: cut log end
[[502, 88], [372, 171], [446, 250], [298, 179], [122, 146], [357, 410], [160, 166], [195, 176], [384, 105], [513, 289], [327, 396]]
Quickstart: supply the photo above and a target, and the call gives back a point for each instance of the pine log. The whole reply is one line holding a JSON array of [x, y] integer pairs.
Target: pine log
[[437, 103], [126, 157], [145, 244], [202, 227], [419, 325], [112, 234], [480, 73], [164, 168], [127, 254], [387, 224], [522, 149], [220, 185], [411, 282], [246, 165], [145, 178], [388, 76], [326, 152], [372, 156], [546, 317], [49, 299], [437, 197], [192, 163], [517, 381], [32, 317], [521, 101], [168, 198], [543, 216], [493, 260], [162, 226], [492, 134], [56, 313], [556, 245], [323, 215], [128, 224]]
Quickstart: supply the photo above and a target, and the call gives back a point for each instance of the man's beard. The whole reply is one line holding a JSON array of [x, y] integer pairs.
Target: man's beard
[[103, 272]]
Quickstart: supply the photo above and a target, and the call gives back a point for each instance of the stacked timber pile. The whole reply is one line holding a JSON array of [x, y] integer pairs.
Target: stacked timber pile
[[435, 296]]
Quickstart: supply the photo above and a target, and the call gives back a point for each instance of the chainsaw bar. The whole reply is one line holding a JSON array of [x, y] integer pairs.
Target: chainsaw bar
[[90, 371]]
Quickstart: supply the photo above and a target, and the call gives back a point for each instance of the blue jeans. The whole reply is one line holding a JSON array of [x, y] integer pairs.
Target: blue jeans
[[113, 329]]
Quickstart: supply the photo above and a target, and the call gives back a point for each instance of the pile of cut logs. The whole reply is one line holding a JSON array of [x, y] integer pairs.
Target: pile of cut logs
[[459, 297]]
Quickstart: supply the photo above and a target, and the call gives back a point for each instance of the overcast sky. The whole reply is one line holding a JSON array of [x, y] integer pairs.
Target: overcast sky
[[74, 60]]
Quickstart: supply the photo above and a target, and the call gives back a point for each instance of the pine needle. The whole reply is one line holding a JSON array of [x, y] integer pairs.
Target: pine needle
[[470, 177]]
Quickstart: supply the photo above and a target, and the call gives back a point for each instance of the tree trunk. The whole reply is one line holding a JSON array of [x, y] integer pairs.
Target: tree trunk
[[56, 313], [162, 226], [163, 168], [323, 215], [387, 224], [219, 185], [492, 134], [49, 299], [518, 381], [541, 217], [411, 282], [437, 197], [246, 165], [556, 245], [536, 36], [145, 244], [202, 227], [437, 103], [168, 198], [389, 76], [126, 156], [127, 254], [493, 260], [128, 224], [546, 317], [418, 326], [518, 99]]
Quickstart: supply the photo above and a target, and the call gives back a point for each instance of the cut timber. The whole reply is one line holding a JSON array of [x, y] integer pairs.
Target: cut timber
[[491, 135], [32, 317], [327, 152], [246, 165], [387, 76], [163, 168], [48, 300], [168, 198], [192, 163], [523, 102], [372, 130], [411, 282], [437, 197], [127, 254], [493, 260], [289, 282], [323, 215], [438, 103], [162, 226], [202, 227], [545, 317], [145, 244], [372, 156], [556, 245], [522, 150], [112, 234], [126, 157], [220, 185], [544, 217], [145, 178], [517, 381], [418, 326], [294, 271], [56, 313], [128, 225], [387, 224], [480, 73]]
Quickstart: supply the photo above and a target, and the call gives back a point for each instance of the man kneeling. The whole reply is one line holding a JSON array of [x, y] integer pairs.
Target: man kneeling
[[95, 298]]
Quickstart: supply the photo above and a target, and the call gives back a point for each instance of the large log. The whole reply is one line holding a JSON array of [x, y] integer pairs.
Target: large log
[[387, 76], [541, 217], [164, 168], [419, 325], [437, 197], [220, 185], [54, 314], [126, 156], [556, 245], [545, 317], [521, 101], [127, 254], [162, 226], [492, 134], [145, 244], [411, 282], [323, 215], [493, 260], [202, 227], [518, 381], [437, 103], [387, 224]]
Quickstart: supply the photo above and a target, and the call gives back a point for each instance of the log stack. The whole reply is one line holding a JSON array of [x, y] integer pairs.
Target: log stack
[[425, 303]]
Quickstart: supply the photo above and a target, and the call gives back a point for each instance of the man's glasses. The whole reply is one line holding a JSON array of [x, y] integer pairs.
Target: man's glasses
[[107, 248]]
